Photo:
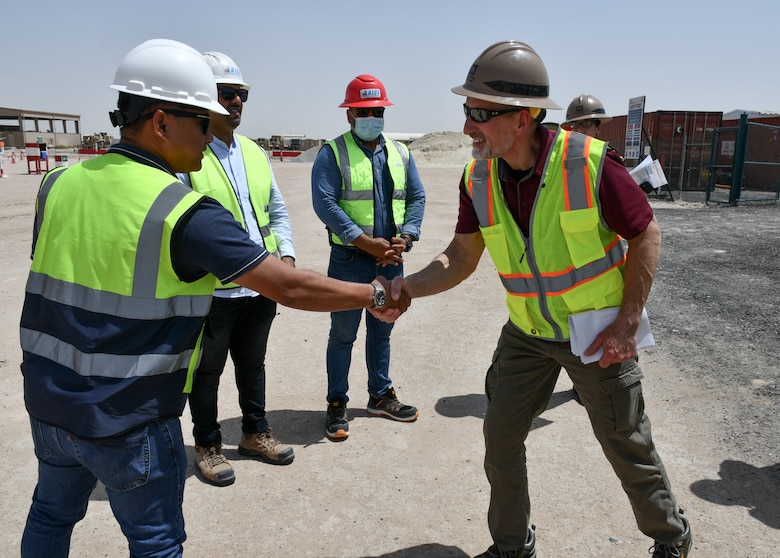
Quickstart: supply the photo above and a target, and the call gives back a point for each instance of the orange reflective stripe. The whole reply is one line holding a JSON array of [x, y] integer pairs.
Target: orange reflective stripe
[[586, 172], [565, 174], [470, 181], [491, 207]]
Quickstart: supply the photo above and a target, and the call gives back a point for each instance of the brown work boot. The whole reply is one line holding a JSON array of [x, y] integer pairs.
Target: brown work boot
[[267, 447], [213, 466]]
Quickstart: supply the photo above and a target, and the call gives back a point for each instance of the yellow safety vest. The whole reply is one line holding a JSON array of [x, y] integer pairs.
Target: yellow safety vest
[[212, 180], [572, 262], [357, 184], [118, 315]]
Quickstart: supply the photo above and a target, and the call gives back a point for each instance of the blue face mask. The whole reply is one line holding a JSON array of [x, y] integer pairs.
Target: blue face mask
[[369, 127]]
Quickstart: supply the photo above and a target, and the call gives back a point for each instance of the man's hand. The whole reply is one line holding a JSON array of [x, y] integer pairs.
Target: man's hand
[[394, 254], [385, 252], [617, 343], [398, 300]]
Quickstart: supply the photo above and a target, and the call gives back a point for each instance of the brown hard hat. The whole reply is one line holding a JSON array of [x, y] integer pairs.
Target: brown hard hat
[[509, 73]]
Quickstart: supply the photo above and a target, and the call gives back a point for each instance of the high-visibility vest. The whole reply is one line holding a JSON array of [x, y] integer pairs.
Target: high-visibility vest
[[110, 335], [212, 180], [572, 261], [357, 182]]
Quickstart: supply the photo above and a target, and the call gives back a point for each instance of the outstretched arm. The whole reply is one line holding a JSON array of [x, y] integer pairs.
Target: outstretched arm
[[309, 290], [448, 269]]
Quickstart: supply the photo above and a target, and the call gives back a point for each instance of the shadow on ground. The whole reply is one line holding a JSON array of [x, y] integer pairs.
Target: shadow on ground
[[475, 405], [431, 550], [742, 484], [305, 427]]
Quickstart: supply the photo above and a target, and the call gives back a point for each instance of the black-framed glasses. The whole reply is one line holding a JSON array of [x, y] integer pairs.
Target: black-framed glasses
[[585, 124], [379, 112], [205, 119], [483, 115], [229, 93]]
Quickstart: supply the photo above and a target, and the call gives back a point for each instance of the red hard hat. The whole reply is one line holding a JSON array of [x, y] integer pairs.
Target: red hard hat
[[365, 91]]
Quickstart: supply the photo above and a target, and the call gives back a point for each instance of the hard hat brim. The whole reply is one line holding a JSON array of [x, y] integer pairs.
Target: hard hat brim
[[530, 102], [366, 104], [601, 117], [229, 81], [207, 102]]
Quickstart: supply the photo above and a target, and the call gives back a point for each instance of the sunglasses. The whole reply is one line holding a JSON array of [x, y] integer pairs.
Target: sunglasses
[[379, 112], [205, 119], [229, 93], [483, 115]]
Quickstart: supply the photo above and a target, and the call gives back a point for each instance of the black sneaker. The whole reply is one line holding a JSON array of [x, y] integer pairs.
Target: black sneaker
[[336, 422], [680, 549], [388, 406], [528, 551]]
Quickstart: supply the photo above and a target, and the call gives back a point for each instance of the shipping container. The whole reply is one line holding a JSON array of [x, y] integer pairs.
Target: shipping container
[[680, 140]]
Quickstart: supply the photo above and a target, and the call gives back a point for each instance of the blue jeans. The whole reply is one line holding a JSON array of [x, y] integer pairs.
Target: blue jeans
[[350, 264], [241, 326], [143, 472]]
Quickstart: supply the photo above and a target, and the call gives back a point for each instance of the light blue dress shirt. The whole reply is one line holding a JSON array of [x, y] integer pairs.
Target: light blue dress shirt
[[232, 160]]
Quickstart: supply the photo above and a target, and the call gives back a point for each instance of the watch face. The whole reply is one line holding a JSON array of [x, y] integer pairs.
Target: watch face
[[379, 298]]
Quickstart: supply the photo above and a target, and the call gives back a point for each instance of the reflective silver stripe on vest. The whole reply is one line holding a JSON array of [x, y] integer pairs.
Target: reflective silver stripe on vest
[[43, 193], [100, 364], [576, 164], [141, 304], [400, 194], [346, 175], [265, 232], [147, 255], [562, 283], [103, 302], [479, 179]]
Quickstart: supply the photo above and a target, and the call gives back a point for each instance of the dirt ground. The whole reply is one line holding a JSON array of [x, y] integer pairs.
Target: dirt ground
[[418, 490]]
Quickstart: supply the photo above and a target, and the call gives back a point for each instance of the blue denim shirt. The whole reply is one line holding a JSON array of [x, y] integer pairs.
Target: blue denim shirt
[[326, 191]]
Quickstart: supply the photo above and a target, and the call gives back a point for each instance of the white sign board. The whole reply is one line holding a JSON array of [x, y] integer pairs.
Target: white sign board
[[636, 112]]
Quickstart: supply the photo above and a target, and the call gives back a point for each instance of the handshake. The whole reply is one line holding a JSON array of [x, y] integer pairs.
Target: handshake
[[397, 299]]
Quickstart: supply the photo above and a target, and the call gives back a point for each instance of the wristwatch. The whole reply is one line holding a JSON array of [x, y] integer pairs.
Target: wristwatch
[[379, 295], [409, 242]]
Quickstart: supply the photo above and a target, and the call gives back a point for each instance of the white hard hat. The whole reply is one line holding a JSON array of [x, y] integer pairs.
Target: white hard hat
[[170, 71], [224, 69]]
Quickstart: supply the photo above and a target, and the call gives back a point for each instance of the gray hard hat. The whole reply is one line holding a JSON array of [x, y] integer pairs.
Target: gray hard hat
[[586, 107], [509, 73]]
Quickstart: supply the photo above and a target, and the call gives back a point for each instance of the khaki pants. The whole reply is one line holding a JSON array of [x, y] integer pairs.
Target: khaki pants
[[519, 385]]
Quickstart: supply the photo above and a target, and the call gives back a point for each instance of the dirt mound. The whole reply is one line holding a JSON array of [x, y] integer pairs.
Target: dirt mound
[[441, 149]]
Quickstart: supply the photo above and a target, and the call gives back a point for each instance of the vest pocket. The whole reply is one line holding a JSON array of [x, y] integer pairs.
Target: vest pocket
[[495, 242], [602, 292], [581, 232]]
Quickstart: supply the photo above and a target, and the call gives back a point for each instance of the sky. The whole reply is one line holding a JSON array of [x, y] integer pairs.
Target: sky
[[299, 56]]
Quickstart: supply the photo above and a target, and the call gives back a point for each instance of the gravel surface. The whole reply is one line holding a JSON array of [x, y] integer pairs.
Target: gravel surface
[[418, 490]]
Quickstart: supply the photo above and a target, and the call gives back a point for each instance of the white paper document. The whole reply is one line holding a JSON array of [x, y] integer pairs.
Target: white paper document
[[650, 172], [584, 327]]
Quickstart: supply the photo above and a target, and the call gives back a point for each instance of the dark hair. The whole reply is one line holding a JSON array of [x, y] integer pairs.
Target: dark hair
[[130, 108]]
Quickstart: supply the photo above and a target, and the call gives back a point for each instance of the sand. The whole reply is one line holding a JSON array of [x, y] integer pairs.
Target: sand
[[418, 490]]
